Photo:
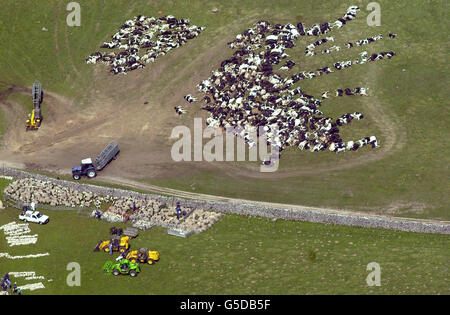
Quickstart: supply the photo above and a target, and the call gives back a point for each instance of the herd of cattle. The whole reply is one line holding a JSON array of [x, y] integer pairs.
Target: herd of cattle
[[245, 93], [310, 49], [156, 36]]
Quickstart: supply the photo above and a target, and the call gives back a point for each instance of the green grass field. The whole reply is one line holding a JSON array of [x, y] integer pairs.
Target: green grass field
[[239, 255], [410, 90]]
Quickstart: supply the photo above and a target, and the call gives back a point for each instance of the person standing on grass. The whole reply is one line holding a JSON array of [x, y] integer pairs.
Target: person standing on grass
[[7, 281], [178, 210], [110, 248]]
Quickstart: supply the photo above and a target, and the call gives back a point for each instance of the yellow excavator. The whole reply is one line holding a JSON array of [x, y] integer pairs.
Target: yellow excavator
[[143, 255], [35, 118], [33, 121], [117, 244]]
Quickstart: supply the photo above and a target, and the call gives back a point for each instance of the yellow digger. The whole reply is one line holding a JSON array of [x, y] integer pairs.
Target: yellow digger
[[33, 121], [116, 244], [143, 255], [35, 118]]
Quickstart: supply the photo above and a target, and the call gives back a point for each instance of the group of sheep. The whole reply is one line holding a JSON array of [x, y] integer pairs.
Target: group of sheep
[[197, 222], [147, 212], [29, 190], [144, 212], [245, 93], [132, 208], [155, 37]]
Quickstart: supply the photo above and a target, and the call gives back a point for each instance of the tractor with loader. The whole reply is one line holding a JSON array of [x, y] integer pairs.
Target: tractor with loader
[[143, 255], [115, 244]]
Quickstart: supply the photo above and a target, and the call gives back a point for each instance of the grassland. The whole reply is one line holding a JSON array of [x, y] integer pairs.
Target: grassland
[[411, 90], [239, 255]]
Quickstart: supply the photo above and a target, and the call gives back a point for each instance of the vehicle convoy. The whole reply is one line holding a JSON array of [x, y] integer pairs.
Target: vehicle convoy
[[124, 267], [143, 255], [34, 217], [35, 118], [90, 168], [117, 244]]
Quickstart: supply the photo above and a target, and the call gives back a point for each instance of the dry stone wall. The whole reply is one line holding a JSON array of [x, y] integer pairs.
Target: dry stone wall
[[348, 219]]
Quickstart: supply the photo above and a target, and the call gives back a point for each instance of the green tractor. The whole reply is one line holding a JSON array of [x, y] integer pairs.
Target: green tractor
[[124, 267]]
